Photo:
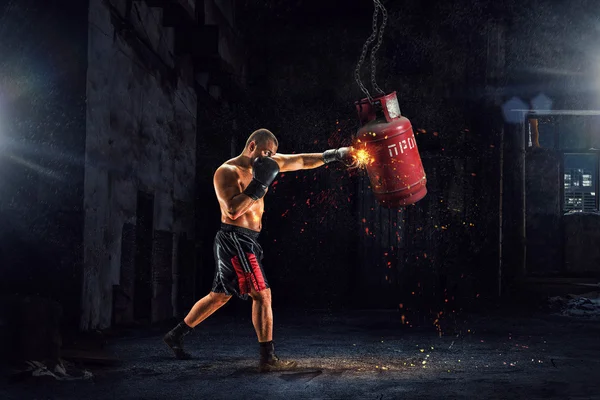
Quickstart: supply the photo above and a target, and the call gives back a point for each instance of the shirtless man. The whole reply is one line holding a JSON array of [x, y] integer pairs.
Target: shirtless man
[[240, 185]]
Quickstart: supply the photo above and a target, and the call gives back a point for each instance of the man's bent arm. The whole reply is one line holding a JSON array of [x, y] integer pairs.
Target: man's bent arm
[[233, 202], [239, 204]]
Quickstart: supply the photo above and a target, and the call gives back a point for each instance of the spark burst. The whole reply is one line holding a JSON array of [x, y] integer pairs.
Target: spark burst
[[363, 157]]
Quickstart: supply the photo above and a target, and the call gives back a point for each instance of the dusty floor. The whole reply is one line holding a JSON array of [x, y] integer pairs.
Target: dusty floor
[[358, 355]]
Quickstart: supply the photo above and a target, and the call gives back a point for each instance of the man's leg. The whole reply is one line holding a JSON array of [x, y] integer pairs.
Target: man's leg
[[262, 319], [205, 307], [262, 315], [199, 312]]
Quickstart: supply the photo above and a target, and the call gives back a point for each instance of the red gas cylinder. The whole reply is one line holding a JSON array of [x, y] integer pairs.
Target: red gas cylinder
[[394, 164]]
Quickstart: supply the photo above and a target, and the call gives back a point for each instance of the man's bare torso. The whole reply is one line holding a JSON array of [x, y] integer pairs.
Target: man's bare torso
[[251, 219]]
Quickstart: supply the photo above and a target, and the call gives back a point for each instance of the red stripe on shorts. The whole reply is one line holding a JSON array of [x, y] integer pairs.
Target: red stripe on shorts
[[244, 287], [258, 281]]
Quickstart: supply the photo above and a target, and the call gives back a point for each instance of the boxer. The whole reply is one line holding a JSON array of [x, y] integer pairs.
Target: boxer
[[240, 185]]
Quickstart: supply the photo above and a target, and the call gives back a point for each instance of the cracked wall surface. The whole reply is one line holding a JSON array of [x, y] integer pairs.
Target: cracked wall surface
[[141, 137]]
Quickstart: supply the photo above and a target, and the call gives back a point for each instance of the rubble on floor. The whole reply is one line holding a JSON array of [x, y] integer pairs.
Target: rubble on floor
[[585, 305], [58, 371]]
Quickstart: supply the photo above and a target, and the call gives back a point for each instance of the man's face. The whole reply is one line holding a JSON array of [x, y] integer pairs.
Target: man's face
[[266, 149]]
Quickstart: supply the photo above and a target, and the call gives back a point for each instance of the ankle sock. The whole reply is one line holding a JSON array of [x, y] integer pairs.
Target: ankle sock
[[181, 329], [267, 350]]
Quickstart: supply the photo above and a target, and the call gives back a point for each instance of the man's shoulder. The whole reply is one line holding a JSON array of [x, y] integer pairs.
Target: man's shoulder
[[232, 162], [230, 165], [228, 168]]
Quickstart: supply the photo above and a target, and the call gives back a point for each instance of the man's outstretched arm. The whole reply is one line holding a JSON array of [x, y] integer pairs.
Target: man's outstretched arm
[[296, 162]]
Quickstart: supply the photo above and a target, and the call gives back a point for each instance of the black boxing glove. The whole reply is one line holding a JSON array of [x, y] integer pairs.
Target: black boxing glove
[[264, 171], [343, 154]]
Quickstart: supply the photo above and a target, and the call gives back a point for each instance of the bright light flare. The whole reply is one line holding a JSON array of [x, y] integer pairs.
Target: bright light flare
[[362, 157]]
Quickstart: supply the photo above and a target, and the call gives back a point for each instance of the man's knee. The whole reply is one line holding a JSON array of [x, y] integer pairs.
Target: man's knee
[[264, 296], [220, 298]]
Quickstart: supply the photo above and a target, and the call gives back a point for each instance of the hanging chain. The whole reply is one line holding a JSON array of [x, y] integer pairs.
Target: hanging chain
[[376, 47], [371, 39], [365, 48]]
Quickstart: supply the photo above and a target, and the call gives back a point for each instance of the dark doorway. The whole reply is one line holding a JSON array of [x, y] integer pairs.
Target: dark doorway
[[143, 266], [186, 296]]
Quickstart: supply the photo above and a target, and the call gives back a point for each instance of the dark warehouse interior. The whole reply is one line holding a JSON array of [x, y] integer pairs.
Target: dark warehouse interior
[[116, 117]]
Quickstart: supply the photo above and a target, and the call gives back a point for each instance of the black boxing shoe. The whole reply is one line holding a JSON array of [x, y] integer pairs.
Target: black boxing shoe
[[174, 339], [269, 362], [275, 364]]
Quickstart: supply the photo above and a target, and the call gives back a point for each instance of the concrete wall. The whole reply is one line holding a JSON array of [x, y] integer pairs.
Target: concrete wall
[[141, 136], [581, 236], [230, 48], [544, 232]]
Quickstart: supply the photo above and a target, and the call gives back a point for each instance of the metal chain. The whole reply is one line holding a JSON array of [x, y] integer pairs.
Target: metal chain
[[379, 5], [365, 48]]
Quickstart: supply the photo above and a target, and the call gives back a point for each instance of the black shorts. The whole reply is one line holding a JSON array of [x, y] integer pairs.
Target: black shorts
[[238, 267]]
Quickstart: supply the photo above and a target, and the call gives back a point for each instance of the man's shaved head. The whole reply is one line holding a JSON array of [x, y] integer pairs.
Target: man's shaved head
[[261, 137]]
